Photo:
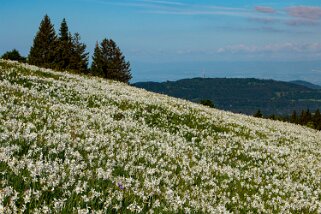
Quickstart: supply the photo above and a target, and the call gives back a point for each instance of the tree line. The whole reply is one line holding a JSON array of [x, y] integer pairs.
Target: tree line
[[304, 118], [66, 52]]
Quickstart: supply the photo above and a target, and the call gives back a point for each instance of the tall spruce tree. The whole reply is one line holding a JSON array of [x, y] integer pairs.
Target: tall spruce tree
[[294, 117], [79, 56], [42, 53], [109, 62], [305, 117], [64, 31], [64, 47], [96, 66]]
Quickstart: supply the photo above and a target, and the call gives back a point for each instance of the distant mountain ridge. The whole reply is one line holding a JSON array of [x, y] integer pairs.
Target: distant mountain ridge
[[245, 95]]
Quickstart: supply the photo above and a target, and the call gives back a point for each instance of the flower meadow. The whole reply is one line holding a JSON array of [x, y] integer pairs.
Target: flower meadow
[[79, 144]]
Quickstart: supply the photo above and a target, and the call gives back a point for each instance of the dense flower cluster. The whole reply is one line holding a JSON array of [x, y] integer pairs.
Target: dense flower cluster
[[71, 143]]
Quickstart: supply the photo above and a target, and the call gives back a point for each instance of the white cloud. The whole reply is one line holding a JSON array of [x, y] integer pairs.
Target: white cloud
[[273, 48]]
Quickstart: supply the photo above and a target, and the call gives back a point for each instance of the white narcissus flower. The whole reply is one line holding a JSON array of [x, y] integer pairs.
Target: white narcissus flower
[[76, 141]]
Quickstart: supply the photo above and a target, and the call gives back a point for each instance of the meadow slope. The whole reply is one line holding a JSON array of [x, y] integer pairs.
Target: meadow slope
[[77, 144]]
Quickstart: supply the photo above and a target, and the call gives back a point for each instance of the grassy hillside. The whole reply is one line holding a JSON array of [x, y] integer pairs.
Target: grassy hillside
[[72, 143], [242, 95]]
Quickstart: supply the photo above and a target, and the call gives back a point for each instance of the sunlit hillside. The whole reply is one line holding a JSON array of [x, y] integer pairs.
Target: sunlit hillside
[[79, 144]]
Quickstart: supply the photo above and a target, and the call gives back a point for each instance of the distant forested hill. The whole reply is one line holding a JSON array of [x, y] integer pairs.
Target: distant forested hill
[[242, 95], [306, 84]]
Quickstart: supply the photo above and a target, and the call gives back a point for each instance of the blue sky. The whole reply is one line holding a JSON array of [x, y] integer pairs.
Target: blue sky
[[173, 39]]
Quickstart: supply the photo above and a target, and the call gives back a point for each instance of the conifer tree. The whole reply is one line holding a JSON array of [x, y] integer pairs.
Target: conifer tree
[[302, 118], [308, 116], [96, 66], [305, 117], [294, 117], [64, 31], [109, 62], [79, 56], [64, 47], [42, 53]]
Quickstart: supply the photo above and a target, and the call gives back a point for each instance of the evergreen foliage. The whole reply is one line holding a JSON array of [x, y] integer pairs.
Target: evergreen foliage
[[208, 103], [64, 47], [258, 114], [79, 56], [65, 52], [109, 62], [96, 66], [305, 118], [64, 31], [294, 117], [13, 55], [43, 51]]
